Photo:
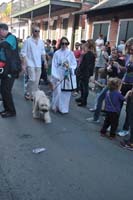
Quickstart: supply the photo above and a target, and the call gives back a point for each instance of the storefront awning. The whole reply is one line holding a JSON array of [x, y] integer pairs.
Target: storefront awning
[[43, 8]]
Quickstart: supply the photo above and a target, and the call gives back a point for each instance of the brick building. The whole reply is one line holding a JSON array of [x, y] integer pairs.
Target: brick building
[[75, 19], [114, 19], [55, 18]]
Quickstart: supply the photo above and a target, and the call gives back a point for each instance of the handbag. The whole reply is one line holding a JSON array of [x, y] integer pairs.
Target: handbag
[[13, 62], [2, 68], [69, 82]]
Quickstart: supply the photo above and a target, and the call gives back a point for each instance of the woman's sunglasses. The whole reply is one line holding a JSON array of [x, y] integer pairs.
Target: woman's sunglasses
[[64, 43]]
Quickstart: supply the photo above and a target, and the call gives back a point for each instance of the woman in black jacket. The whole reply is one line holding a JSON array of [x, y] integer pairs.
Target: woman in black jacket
[[85, 70]]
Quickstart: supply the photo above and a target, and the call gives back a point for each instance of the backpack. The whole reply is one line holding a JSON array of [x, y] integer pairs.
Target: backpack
[[13, 61]]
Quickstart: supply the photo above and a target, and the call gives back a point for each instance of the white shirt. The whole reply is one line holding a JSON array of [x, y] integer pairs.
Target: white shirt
[[33, 50], [99, 42], [59, 58]]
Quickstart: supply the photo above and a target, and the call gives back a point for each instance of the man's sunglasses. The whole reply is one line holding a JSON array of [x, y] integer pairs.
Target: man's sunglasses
[[64, 43], [36, 31]]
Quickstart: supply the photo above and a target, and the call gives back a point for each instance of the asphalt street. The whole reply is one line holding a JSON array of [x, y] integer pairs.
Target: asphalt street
[[78, 163]]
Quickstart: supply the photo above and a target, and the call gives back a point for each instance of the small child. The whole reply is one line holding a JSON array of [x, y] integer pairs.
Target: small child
[[129, 143], [99, 85], [113, 102]]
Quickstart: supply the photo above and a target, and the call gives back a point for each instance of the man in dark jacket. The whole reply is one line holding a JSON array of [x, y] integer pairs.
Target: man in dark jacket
[[7, 48]]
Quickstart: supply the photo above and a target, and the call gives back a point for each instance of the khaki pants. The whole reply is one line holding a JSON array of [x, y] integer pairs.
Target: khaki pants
[[34, 74]]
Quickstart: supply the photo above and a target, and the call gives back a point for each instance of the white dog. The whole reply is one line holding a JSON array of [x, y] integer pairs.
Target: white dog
[[41, 106]]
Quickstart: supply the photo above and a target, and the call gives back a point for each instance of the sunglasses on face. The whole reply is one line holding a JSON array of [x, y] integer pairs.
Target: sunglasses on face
[[36, 31], [64, 43]]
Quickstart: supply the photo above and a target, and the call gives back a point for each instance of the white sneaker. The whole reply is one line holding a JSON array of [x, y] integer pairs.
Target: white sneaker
[[108, 129], [92, 109], [123, 133], [91, 120]]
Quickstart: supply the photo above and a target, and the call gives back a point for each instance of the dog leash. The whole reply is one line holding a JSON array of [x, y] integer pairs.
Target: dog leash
[[59, 83]]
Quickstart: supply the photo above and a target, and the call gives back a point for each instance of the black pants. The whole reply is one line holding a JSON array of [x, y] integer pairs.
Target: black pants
[[6, 89], [44, 73], [77, 80], [125, 88], [78, 84], [131, 128], [111, 119], [84, 90]]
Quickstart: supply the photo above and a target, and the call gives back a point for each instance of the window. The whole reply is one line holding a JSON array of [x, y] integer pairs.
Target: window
[[54, 25], [53, 31], [101, 28], [65, 26], [76, 28], [45, 25], [126, 30], [83, 18], [45, 30]]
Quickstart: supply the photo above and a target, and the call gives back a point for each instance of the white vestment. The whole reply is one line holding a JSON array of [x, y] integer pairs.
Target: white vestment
[[61, 99]]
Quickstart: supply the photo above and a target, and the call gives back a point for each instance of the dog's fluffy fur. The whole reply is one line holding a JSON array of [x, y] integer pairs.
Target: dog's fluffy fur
[[41, 106]]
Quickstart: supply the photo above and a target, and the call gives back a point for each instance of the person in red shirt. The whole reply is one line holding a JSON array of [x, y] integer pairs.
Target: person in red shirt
[[77, 51]]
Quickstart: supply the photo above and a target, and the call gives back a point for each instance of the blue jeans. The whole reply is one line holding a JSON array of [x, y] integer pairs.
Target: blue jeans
[[100, 102]]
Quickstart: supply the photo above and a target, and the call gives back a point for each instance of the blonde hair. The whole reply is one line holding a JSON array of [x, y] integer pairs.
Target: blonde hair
[[128, 44], [114, 84]]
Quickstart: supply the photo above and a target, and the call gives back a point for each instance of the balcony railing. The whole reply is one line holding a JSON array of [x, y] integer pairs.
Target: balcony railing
[[20, 5]]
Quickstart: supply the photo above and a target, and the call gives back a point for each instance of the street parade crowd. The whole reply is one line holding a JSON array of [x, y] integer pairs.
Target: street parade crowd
[[108, 68]]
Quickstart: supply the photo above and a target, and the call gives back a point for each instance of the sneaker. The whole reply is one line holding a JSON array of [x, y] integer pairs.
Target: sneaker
[[8, 114], [75, 94], [123, 144], [3, 111], [130, 147], [108, 129], [82, 104], [126, 145], [92, 109], [123, 133], [92, 120]]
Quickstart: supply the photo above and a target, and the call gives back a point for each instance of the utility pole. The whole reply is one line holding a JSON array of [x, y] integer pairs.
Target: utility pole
[[11, 15], [49, 19]]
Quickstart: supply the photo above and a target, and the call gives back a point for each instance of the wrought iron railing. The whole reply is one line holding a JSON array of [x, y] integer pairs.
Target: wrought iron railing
[[20, 5]]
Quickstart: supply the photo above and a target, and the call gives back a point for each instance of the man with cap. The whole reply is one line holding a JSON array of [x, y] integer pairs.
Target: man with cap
[[7, 45]]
